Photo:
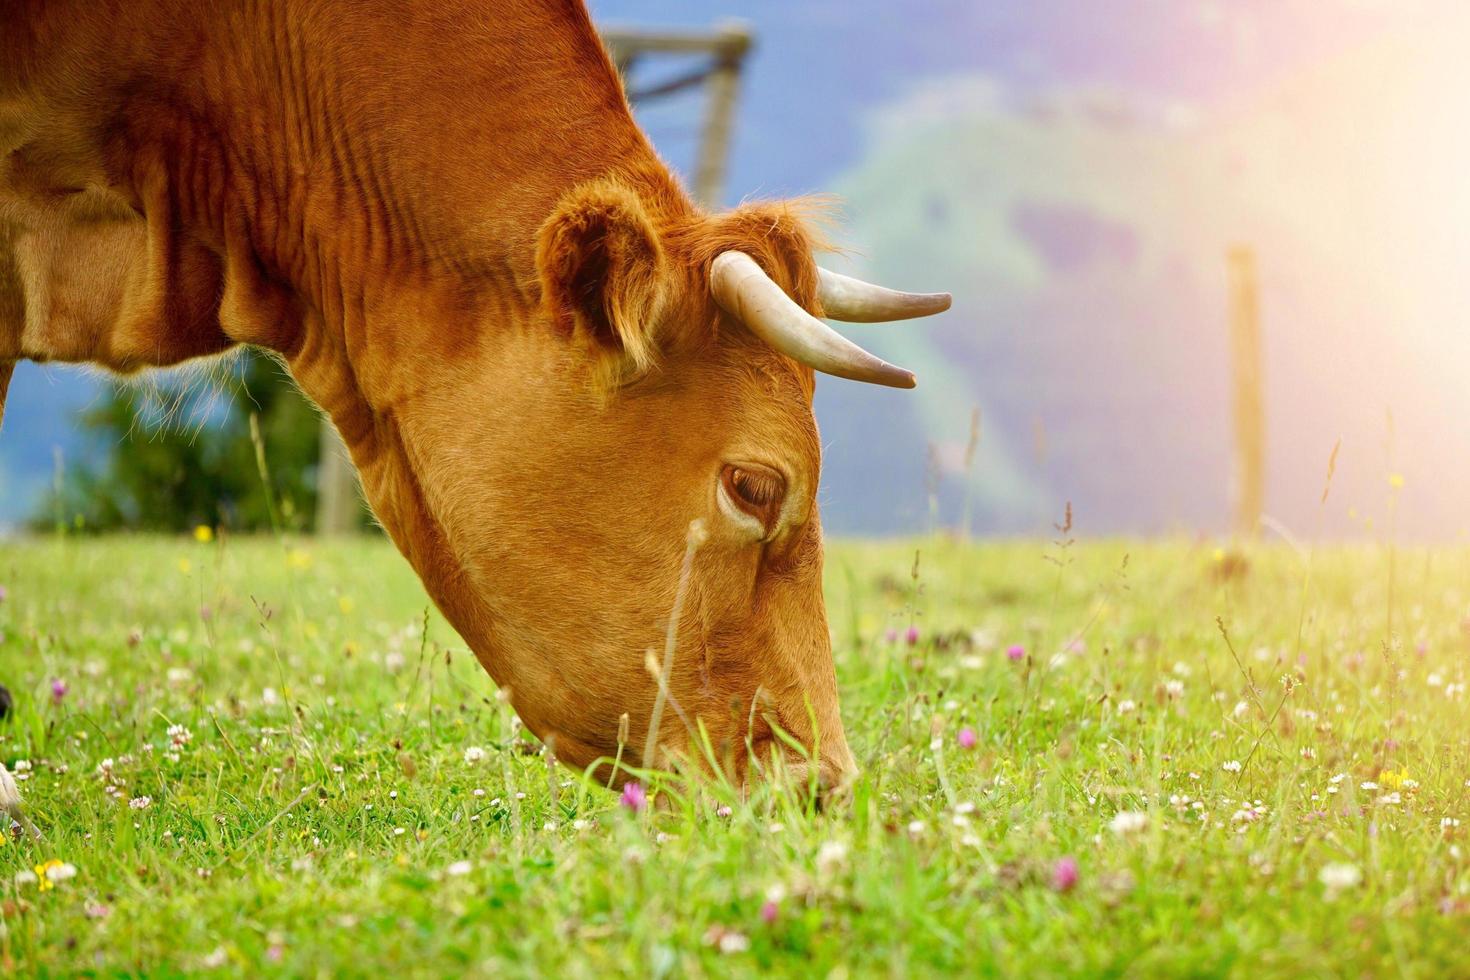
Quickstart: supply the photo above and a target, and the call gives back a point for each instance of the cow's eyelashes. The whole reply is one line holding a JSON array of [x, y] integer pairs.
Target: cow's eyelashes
[[755, 488], [756, 491]]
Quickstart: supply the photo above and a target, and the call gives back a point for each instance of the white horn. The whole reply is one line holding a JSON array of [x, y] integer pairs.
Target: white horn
[[855, 301], [743, 290]]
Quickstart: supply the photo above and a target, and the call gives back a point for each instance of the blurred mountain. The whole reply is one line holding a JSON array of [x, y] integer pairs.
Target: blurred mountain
[[1085, 232]]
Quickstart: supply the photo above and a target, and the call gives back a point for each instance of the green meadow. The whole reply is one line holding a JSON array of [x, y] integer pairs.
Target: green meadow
[[261, 756]]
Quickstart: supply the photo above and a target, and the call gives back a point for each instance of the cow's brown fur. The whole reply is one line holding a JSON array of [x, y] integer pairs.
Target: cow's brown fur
[[445, 220]]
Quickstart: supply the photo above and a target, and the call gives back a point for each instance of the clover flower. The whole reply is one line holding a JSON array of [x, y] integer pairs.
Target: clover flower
[[1339, 877], [634, 797], [831, 858], [1064, 874], [1127, 822]]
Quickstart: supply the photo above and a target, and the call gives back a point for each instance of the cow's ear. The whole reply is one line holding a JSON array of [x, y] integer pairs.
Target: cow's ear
[[604, 275]]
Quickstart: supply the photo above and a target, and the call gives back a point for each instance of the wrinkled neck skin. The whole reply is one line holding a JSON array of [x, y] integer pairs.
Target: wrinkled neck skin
[[350, 211]]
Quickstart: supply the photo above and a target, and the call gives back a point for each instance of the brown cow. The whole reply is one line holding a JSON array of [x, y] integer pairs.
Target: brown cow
[[546, 362]]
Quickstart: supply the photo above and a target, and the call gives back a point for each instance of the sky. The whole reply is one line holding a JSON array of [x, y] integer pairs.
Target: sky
[[1074, 173]]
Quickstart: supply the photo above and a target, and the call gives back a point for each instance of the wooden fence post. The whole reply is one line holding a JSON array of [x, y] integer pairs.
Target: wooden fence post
[[1248, 472]]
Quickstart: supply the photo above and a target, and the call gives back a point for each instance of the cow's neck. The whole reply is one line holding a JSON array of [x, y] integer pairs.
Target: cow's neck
[[351, 187]]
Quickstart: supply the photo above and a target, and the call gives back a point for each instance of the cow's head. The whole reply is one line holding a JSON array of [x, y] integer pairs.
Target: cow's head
[[644, 442]]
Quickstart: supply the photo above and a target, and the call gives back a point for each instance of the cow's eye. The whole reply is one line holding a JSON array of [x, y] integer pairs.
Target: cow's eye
[[757, 492]]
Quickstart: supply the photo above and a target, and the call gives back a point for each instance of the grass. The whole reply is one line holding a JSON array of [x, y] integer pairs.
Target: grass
[[323, 816]]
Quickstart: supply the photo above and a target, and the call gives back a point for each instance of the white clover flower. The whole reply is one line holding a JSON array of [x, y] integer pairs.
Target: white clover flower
[[473, 754], [1127, 822], [458, 869], [140, 802], [1175, 689], [1231, 766], [831, 858], [1340, 876], [1127, 707]]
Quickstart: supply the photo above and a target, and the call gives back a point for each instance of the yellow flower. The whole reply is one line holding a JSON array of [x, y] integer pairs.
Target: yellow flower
[[346, 604], [204, 534], [1396, 481], [1389, 779], [185, 566], [1218, 554], [298, 558], [43, 882]]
